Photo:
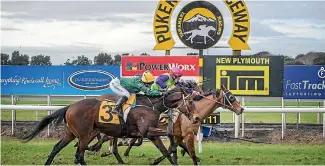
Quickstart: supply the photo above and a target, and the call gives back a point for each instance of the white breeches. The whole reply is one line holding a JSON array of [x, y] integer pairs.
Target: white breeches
[[118, 89]]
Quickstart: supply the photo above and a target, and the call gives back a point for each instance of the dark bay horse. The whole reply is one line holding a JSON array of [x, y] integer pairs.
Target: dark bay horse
[[81, 122], [185, 130]]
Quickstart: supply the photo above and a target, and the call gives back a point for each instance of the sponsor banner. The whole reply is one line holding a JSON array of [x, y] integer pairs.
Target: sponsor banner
[[245, 75], [57, 80], [304, 82], [132, 65]]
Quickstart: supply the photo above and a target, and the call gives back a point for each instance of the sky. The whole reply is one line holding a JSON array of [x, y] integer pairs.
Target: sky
[[67, 29]]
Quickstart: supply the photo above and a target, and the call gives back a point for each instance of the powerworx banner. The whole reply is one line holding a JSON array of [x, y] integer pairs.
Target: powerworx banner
[[245, 75], [57, 80], [304, 82]]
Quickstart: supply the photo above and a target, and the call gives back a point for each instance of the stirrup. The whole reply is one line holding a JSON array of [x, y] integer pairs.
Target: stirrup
[[115, 111]]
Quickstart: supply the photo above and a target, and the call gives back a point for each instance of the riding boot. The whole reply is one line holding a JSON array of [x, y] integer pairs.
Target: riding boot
[[118, 108]]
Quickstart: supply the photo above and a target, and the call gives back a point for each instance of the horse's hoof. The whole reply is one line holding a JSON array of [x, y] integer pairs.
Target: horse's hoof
[[105, 154], [183, 152]]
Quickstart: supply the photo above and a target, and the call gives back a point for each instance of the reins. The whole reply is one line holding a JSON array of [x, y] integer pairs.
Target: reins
[[223, 104]]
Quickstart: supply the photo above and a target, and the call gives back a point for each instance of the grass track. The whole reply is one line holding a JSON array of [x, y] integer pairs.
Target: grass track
[[36, 152], [225, 117]]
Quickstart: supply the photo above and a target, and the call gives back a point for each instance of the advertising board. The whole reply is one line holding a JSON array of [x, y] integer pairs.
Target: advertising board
[[304, 82], [132, 65], [57, 80], [245, 75]]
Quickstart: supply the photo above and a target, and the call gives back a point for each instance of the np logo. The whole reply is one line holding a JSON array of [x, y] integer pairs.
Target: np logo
[[199, 25], [90, 79]]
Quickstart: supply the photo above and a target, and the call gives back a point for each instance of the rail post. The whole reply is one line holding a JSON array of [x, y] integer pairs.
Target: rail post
[[48, 113], [13, 116], [243, 117]]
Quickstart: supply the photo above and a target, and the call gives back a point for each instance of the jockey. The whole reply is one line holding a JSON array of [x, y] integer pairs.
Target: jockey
[[124, 86], [169, 80]]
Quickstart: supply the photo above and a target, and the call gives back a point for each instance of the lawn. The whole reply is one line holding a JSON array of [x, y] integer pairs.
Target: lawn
[[225, 117], [216, 153]]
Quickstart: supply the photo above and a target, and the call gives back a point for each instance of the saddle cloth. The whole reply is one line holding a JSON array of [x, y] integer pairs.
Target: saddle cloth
[[106, 106]]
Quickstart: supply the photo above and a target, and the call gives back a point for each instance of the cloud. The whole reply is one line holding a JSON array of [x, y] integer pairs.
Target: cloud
[[10, 29], [66, 29], [298, 27]]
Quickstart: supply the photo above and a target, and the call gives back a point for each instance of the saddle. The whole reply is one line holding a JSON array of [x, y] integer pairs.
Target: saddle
[[106, 107]]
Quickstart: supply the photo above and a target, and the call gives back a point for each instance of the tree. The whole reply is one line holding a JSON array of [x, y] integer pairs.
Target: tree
[[41, 60], [80, 61], [68, 63], [103, 59], [298, 63], [288, 60], [299, 56], [320, 60], [144, 54], [262, 54], [192, 53], [5, 59], [17, 59], [117, 59]]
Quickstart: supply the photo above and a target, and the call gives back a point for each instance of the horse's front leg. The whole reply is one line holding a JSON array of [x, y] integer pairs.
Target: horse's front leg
[[132, 143], [190, 147], [115, 151], [210, 38]]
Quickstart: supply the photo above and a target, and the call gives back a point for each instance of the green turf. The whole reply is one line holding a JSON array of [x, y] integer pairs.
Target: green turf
[[225, 117], [36, 152]]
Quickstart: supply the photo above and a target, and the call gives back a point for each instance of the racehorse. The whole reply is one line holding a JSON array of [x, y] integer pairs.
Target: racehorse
[[82, 122], [185, 130], [202, 31]]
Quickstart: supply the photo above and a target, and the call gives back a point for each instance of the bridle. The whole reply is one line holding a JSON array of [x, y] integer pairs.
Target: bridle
[[223, 103]]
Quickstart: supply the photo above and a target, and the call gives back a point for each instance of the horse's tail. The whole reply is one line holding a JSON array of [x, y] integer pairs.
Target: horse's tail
[[57, 116]]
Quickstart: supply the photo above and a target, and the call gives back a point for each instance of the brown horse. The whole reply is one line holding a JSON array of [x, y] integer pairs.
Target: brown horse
[[185, 130], [81, 122]]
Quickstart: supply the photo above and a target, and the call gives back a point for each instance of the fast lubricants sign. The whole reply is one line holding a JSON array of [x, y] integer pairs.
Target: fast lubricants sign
[[200, 24], [132, 65], [252, 76], [304, 82]]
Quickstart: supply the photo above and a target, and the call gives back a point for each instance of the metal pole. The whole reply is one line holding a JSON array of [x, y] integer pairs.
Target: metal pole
[[298, 117], [201, 53], [167, 52], [48, 113], [13, 116], [282, 125], [324, 126], [37, 115], [284, 118], [237, 126], [243, 118]]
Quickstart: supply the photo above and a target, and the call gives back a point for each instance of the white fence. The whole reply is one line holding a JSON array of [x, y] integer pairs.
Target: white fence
[[237, 117]]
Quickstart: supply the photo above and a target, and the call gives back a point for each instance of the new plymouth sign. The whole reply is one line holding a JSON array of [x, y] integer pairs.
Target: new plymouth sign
[[240, 25]]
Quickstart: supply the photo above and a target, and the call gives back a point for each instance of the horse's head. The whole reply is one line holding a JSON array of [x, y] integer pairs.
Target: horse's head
[[230, 101], [211, 28]]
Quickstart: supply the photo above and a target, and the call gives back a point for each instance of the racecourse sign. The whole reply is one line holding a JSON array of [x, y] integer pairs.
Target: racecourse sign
[[164, 11], [304, 82], [245, 75]]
